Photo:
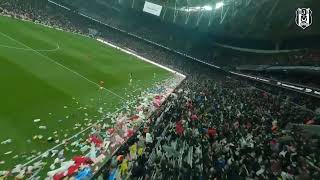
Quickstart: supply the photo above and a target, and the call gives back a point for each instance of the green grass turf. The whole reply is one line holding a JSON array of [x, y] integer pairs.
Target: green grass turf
[[33, 84]]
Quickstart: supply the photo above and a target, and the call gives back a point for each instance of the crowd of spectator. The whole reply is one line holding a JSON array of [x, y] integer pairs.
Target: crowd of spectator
[[39, 12], [211, 127], [302, 100]]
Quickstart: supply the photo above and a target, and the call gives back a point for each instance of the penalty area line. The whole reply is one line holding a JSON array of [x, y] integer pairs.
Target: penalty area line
[[27, 49]]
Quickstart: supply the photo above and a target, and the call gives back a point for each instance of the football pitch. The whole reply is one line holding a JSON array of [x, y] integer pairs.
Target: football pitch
[[50, 81]]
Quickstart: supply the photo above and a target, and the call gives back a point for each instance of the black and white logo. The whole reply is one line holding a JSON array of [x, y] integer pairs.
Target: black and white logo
[[303, 17]]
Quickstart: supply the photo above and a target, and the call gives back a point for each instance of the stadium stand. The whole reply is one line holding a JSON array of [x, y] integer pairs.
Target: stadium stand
[[223, 130], [213, 126]]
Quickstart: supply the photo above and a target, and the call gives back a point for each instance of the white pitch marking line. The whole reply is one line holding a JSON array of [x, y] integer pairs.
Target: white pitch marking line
[[50, 59], [27, 49]]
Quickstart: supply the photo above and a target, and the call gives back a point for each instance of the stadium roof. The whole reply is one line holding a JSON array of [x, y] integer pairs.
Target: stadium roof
[[242, 18], [263, 19]]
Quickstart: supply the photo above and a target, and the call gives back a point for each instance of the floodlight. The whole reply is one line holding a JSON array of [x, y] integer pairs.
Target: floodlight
[[207, 8], [219, 5]]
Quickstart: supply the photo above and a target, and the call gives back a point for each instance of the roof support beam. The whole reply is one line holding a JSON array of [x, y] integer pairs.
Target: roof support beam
[[164, 12], [233, 7], [175, 14], [224, 16], [188, 13], [254, 16], [248, 2], [210, 19], [221, 14], [233, 10], [199, 17], [273, 8], [212, 15], [234, 13], [187, 18]]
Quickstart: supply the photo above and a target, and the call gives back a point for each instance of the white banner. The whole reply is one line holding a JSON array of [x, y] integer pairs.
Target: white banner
[[152, 8]]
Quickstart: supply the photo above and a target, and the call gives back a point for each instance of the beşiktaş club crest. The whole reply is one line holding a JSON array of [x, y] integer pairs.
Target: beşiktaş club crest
[[303, 17]]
